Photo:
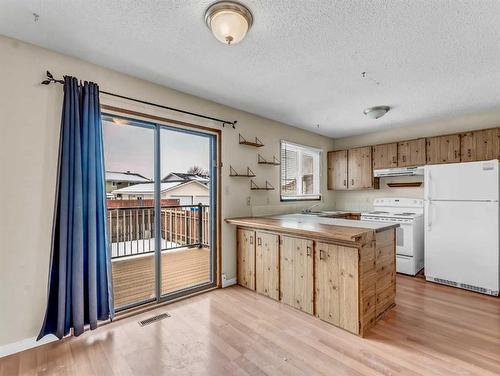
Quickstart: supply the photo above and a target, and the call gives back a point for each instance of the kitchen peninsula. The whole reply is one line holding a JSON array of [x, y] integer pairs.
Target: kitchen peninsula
[[342, 271]]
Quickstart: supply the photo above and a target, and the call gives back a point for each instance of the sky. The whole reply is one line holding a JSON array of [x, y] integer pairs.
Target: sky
[[131, 148]]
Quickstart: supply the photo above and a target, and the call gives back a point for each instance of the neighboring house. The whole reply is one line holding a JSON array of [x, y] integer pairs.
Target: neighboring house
[[184, 177], [117, 180], [188, 193]]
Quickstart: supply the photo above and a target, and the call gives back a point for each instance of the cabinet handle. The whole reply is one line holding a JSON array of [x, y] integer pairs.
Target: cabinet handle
[[259, 241], [321, 252], [404, 158], [394, 159], [251, 239], [345, 182], [455, 153], [352, 182], [469, 153], [308, 252]]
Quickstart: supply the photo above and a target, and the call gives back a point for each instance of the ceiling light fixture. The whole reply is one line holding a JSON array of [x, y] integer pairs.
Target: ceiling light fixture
[[376, 112], [229, 21]]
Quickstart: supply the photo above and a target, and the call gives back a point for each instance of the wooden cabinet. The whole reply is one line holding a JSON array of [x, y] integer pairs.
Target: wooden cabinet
[[385, 156], [267, 264], [348, 278], [337, 170], [480, 145], [443, 149], [351, 169], [246, 258], [336, 271], [411, 153], [359, 168], [296, 276]]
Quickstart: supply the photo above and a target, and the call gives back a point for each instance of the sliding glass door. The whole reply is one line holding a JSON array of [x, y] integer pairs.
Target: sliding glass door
[[161, 195], [186, 190]]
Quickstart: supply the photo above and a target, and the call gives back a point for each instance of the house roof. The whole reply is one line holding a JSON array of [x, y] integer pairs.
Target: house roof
[[149, 188], [127, 176], [182, 176]]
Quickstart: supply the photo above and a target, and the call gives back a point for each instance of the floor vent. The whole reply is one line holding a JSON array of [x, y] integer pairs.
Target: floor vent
[[446, 282], [474, 288], [153, 319]]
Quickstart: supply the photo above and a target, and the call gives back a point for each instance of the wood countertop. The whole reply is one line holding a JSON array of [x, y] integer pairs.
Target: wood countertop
[[311, 228]]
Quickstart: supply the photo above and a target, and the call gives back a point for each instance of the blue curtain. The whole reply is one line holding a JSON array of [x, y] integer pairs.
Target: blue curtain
[[80, 291]]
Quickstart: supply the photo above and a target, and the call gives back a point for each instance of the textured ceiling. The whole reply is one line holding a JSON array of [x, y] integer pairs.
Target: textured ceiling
[[302, 61]]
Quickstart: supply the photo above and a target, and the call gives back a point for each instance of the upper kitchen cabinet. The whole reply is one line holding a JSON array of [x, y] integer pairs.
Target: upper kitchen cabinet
[[351, 169], [385, 156], [359, 168], [480, 145], [443, 149], [411, 153], [337, 170]]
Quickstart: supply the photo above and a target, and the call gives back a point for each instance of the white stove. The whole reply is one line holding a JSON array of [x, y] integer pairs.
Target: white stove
[[408, 213]]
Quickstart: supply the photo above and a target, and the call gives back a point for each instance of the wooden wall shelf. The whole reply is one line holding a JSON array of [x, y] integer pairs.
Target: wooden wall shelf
[[274, 162], [405, 185], [255, 187], [234, 173], [257, 143]]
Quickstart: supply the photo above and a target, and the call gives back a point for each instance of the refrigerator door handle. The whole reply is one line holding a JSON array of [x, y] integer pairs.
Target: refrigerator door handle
[[427, 184], [428, 217]]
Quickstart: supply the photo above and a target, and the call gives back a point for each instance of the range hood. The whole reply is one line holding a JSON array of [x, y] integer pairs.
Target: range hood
[[402, 171]]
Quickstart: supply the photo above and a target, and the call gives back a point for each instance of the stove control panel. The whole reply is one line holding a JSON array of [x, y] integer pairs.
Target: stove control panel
[[386, 219]]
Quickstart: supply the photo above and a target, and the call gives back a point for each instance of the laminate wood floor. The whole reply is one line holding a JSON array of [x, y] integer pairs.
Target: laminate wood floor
[[433, 330]]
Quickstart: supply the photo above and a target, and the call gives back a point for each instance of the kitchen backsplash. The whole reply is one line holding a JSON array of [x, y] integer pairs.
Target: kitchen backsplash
[[363, 200]]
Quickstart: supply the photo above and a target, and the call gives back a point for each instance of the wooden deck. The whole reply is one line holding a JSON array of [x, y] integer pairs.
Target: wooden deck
[[134, 278]]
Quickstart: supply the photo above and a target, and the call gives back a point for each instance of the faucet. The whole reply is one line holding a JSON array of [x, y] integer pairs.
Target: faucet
[[309, 210]]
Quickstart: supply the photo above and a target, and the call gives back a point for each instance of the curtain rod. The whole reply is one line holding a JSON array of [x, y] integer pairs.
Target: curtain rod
[[50, 79]]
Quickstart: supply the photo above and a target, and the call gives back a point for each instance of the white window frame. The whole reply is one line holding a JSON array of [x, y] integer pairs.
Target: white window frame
[[317, 176]]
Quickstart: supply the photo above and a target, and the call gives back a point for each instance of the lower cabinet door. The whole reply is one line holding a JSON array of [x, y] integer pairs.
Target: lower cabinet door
[[246, 258], [337, 285], [267, 264], [296, 277]]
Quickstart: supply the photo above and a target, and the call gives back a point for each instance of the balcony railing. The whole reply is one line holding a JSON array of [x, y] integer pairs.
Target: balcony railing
[[131, 230]]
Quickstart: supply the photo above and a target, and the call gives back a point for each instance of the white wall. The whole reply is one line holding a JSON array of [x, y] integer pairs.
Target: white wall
[[29, 123], [362, 200]]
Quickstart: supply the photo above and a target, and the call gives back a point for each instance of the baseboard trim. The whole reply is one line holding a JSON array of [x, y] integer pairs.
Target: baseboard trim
[[25, 344], [228, 282]]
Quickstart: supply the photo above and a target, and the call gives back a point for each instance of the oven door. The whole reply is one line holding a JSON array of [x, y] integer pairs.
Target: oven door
[[404, 239]]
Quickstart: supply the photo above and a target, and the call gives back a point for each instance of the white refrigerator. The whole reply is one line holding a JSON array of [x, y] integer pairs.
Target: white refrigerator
[[461, 225]]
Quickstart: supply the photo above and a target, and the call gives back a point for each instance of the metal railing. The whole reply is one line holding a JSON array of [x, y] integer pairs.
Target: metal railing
[[131, 231]]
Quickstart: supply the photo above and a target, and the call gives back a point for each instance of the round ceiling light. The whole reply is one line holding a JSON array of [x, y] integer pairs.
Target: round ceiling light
[[376, 112], [229, 21]]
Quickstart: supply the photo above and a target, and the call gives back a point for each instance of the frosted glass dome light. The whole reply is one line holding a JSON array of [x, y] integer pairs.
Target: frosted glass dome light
[[376, 112], [229, 21]]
